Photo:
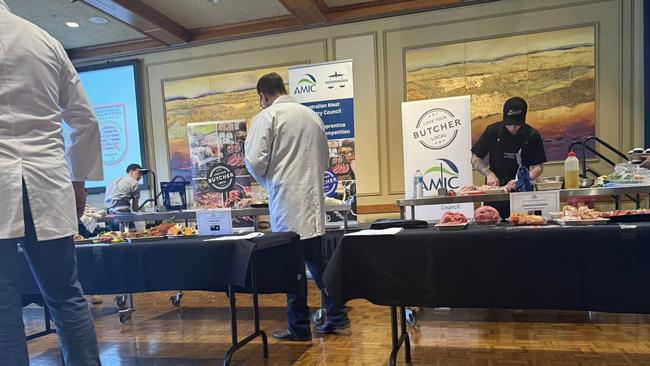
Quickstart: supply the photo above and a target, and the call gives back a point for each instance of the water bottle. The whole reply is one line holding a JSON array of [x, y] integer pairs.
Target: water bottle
[[421, 187], [418, 184]]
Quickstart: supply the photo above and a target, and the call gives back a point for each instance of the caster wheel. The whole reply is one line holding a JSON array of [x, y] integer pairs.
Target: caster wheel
[[411, 318], [125, 318], [176, 299], [318, 317], [121, 301]]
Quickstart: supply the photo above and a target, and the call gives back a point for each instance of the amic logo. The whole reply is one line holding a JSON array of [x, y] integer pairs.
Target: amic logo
[[436, 129], [441, 175], [514, 112], [306, 85], [336, 79]]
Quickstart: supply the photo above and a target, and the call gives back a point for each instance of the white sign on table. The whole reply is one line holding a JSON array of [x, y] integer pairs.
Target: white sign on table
[[214, 222], [536, 202]]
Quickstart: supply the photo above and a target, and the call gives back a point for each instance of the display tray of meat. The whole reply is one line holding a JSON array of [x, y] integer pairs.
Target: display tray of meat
[[472, 190], [487, 216], [640, 215], [522, 219], [451, 220], [160, 230]]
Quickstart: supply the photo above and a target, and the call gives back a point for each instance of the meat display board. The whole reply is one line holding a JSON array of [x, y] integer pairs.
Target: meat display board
[[219, 175]]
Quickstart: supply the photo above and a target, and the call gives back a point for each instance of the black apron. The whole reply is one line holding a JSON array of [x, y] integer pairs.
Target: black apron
[[504, 177]]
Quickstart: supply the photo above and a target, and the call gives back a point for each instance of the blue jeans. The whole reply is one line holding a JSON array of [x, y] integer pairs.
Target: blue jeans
[[297, 308], [53, 264]]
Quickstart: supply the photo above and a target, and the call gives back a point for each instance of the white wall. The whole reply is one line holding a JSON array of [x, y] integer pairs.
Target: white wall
[[378, 47]]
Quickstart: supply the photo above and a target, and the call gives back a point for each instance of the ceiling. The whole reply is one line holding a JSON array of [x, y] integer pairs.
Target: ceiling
[[51, 15], [141, 25], [193, 14]]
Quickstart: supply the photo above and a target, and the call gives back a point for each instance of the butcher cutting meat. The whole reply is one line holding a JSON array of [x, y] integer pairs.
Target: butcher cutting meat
[[504, 144]]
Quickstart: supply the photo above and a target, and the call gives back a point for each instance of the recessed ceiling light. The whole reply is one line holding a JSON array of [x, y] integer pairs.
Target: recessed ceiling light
[[98, 20], [72, 24]]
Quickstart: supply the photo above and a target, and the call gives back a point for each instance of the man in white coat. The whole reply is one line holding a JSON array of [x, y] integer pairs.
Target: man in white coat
[[286, 151], [38, 88]]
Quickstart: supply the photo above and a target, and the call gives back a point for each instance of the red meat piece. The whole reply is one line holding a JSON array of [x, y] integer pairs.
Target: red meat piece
[[451, 217]]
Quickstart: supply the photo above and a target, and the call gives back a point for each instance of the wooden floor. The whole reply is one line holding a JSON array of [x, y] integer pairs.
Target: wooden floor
[[198, 334]]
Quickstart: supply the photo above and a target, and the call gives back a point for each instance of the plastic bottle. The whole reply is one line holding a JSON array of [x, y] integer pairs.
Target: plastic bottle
[[571, 171], [418, 184]]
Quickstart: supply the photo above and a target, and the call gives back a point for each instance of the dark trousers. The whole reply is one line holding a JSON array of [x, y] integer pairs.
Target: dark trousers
[[297, 308], [53, 264]]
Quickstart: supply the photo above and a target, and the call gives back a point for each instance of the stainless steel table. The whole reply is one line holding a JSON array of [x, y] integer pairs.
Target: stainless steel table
[[564, 194], [191, 215]]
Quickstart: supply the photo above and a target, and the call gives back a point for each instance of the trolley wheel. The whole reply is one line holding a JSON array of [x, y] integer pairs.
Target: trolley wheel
[[318, 317], [120, 300], [411, 318], [125, 318], [176, 299]]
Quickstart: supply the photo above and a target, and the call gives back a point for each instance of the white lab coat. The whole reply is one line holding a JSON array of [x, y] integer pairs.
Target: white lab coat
[[286, 151], [38, 87]]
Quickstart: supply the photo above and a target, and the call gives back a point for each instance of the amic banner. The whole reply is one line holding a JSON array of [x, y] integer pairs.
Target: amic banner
[[437, 139], [328, 89]]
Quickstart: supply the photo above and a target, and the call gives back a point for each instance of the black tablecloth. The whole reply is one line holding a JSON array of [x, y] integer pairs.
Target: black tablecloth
[[599, 268], [331, 240], [184, 264]]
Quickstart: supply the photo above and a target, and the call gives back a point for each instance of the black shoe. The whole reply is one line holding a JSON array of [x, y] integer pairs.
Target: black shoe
[[287, 335], [331, 327]]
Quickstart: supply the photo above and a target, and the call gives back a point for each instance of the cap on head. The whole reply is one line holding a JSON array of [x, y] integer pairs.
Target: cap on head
[[514, 111], [133, 167]]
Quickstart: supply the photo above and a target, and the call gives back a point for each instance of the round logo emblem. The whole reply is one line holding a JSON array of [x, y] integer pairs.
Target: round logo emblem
[[330, 183], [113, 140], [220, 177], [436, 129]]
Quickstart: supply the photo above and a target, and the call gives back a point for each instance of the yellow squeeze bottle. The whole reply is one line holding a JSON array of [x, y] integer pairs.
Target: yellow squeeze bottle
[[571, 171]]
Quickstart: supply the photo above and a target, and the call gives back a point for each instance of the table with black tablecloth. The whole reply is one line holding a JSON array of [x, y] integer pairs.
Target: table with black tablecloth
[[596, 268], [267, 264]]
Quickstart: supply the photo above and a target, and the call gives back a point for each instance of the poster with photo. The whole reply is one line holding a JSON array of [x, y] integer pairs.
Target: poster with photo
[[340, 178], [219, 175], [220, 96], [327, 89]]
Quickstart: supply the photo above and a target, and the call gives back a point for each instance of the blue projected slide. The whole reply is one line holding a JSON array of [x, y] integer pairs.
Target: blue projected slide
[[112, 89]]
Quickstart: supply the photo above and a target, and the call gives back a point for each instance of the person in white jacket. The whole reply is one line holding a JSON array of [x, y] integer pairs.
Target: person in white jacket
[[38, 88], [286, 151]]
